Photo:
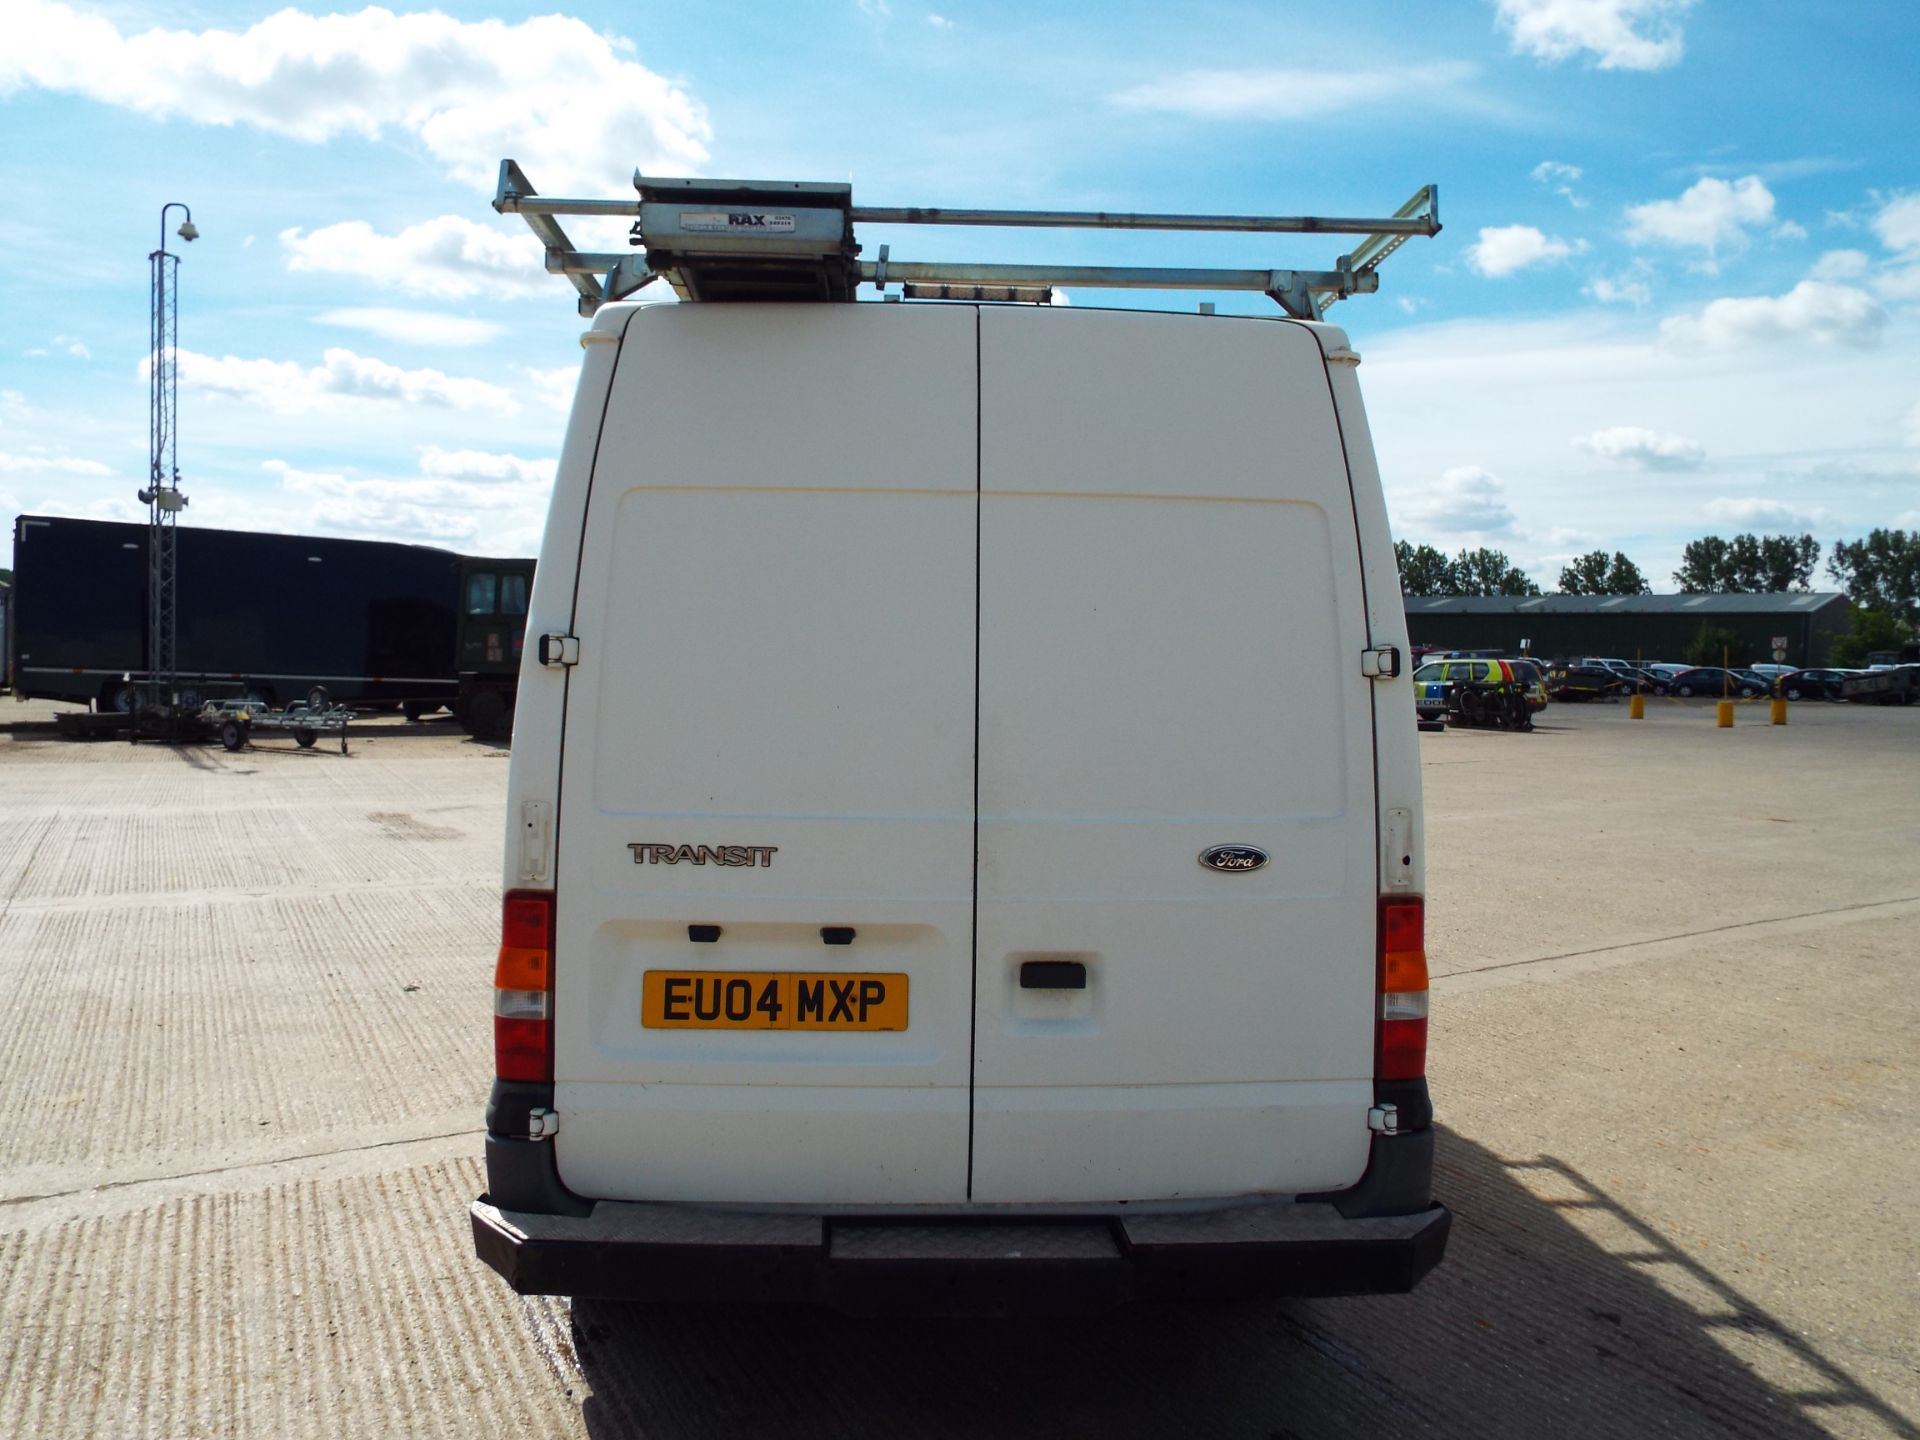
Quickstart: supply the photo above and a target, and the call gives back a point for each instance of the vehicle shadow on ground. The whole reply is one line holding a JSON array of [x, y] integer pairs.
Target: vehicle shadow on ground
[[1557, 1312]]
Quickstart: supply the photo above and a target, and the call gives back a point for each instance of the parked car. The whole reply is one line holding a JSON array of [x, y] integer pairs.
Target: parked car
[[1811, 684], [1531, 675], [1715, 681], [1584, 682], [1619, 667], [1431, 681]]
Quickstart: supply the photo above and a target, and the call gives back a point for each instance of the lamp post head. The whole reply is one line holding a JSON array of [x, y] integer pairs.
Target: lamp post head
[[187, 230]]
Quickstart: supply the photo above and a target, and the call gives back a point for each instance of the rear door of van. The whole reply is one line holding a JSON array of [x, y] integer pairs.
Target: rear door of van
[[1171, 627], [768, 764]]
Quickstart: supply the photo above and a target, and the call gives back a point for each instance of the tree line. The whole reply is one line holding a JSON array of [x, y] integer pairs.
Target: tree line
[[1880, 573]]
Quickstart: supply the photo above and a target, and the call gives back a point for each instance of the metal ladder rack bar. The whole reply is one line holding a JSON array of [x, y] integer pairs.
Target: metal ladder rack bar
[[792, 241], [1400, 224], [1126, 277]]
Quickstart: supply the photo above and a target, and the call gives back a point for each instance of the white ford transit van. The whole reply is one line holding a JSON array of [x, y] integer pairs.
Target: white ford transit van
[[964, 837]]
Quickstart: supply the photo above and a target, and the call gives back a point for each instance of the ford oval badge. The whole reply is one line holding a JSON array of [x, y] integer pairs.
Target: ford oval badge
[[1233, 857]]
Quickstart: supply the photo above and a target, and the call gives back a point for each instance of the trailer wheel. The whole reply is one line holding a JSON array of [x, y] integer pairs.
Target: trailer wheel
[[414, 709], [317, 698], [233, 735], [304, 738]]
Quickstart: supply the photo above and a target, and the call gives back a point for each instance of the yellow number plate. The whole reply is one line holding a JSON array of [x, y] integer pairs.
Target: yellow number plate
[[772, 1000]]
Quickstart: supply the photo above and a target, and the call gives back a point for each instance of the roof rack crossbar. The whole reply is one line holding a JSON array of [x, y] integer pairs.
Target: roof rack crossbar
[[756, 239]]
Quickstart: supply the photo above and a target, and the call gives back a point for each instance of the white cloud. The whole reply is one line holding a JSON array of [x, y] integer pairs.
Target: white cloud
[[550, 91], [1505, 249], [49, 465], [1757, 513], [1642, 448], [417, 327], [468, 498], [1814, 310], [554, 388], [1710, 215], [65, 344], [1561, 177], [940, 22], [485, 465], [447, 258], [285, 387], [1287, 94], [1465, 500], [878, 9], [1841, 265], [1626, 288], [1619, 34], [1898, 283], [1898, 225]]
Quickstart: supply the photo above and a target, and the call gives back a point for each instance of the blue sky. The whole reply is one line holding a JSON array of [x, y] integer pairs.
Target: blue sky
[[1678, 291]]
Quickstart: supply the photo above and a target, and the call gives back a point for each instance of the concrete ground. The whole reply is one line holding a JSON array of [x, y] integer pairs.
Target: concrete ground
[[1674, 1047]]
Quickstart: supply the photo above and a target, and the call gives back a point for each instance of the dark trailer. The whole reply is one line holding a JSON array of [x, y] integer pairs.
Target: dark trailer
[[275, 616]]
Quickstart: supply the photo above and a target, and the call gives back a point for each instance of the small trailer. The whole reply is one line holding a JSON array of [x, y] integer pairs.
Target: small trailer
[[1897, 686], [234, 722]]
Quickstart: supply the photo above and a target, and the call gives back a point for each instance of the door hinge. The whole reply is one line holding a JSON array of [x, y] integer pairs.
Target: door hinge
[[542, 1123], [1381, 1119], [559, 650], [1381, 664]]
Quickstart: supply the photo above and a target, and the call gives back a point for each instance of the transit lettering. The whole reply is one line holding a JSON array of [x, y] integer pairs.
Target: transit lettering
[[750, 856]]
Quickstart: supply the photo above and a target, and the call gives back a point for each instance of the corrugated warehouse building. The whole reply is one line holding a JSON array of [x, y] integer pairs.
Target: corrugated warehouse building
[[1653, 627]]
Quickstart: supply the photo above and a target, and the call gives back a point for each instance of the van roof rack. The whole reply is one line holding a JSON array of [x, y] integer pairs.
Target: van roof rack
[[789, 240]]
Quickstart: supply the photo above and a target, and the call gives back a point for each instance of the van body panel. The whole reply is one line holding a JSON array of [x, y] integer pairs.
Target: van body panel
[[775, 613], [1145, 525], [1171, 620], [1396, 747], [1167, 1142]]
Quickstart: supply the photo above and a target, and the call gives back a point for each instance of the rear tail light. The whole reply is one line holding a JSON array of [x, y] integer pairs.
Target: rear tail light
[[1401, 1037], [523, 988]]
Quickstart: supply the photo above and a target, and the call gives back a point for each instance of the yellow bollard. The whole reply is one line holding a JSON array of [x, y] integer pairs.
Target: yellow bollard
[[1725, 722], [1637, 708], [1779, 709]]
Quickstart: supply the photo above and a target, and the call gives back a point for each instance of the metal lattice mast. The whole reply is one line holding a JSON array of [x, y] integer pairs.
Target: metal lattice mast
[[163, 497]]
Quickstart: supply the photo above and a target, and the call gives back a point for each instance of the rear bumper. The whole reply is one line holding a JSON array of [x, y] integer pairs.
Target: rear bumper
[[869, 1265]]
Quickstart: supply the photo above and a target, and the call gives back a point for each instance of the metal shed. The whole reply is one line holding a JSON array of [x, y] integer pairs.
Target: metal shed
[[1654, 627]]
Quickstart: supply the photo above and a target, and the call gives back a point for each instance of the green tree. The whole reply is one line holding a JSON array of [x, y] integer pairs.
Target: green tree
[[1489, 572], [1424, 570], [1881, 572], [1595, 574], [1869, 630], [1712, 641], [1747, 564]]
